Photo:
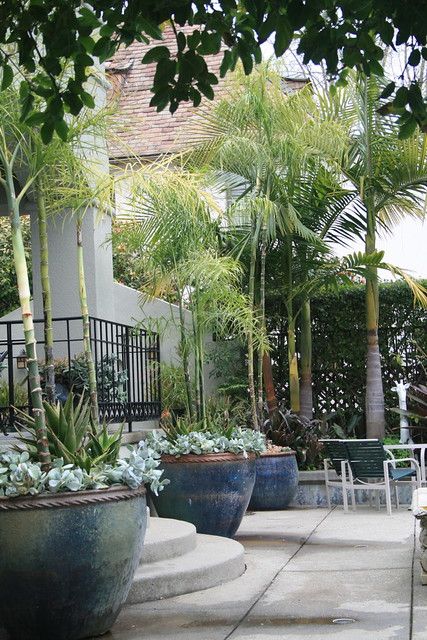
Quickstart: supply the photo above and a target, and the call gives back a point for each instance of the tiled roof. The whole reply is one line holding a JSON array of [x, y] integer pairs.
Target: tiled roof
[[140, 129]]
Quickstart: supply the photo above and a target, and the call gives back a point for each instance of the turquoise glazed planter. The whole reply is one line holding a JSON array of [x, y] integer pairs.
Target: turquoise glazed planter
[[211, 491], [67, 561], [276, 481]]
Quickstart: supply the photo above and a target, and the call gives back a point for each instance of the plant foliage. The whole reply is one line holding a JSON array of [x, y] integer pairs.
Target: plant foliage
[[57, 42]]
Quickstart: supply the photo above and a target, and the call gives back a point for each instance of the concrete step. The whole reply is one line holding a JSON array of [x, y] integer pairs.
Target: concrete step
[[213, 561], [166, 538]]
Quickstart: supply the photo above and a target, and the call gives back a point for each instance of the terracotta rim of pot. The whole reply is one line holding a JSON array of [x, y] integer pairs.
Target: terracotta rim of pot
[[276, 454], [207, 457], [70, 498]]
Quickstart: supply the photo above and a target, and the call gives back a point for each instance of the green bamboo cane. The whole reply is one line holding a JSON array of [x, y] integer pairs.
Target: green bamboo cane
[[200, 352], [185, 358], [263, 254], [46, 293], [21, 269], [93, 391]]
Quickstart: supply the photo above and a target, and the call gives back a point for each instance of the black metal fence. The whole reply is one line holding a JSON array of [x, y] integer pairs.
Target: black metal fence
[[126, 362]]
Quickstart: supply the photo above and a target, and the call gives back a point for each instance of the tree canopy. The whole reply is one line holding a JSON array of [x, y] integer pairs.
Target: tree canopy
[[51, 46]]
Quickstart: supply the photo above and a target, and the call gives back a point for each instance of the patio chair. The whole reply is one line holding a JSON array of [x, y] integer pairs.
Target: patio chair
[[373, 468], [337, 458]]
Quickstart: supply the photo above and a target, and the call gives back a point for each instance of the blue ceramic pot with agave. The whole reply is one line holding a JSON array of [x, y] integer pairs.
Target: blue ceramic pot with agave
[[276, 481], [211, 478]]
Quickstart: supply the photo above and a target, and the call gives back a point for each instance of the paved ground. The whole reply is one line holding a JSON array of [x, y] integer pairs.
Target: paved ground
[[311, 573]]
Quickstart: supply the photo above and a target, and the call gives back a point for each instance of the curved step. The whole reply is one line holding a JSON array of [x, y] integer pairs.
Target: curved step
[[214, 560], [166, 538]]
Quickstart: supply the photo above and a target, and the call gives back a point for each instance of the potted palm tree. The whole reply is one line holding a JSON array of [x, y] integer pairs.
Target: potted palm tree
[[211, 462], [73, 513]]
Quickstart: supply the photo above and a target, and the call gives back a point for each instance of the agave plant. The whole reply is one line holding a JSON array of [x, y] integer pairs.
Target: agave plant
[[72, 435]]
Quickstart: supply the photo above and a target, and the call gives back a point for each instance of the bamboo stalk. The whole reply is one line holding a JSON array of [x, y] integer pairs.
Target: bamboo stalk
[[185, 358], [93, 391], [27, 315], [46, 293], [263, 253]]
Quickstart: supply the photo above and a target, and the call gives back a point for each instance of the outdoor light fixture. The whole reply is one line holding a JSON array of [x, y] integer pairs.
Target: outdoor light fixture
[[21, 362]]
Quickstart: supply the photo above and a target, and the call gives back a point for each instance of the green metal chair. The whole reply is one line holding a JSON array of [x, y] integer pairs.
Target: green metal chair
[[336, 456], [372, 468]]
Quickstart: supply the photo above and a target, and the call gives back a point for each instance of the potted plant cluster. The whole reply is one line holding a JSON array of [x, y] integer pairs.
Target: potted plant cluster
[[73, 512], [211, 470], [208, 458]]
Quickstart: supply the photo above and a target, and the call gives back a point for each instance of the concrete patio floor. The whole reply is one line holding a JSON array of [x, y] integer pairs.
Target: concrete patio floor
[[305, 569]]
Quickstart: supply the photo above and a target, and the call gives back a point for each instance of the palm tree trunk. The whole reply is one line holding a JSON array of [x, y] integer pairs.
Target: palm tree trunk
[[93, 391], [270, 392], [306, 389], [375, 418], [263, 253], [185, 358], [46, 294], [256, 227], [27, 316], [374, 401], [294, 391]]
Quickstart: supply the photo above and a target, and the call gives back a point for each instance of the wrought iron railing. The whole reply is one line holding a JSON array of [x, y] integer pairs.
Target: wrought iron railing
[[126, 362]]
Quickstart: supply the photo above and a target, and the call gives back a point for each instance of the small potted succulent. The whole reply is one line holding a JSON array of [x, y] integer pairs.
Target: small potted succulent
[[211, 470], [71, 536]]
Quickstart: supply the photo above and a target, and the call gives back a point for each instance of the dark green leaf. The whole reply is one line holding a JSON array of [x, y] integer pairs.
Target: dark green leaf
[[156, 54], [7, 77], [407, 128], [46, 131], [415, 58], [388, 90], [61, 129]]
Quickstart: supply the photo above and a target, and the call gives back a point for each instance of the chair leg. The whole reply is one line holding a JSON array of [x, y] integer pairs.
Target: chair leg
[[377, 500], [344, 497], [396, 495], [328, 495], [353, 497], [388, 497]]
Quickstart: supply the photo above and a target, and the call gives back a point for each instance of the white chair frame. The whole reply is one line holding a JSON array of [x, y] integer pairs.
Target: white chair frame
[[343, 483], [356, 483]]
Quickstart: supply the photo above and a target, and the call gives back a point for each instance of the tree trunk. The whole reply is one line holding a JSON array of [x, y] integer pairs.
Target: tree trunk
[[374, 401], [256, 226], [46, 295], [294, 392], [306, 388], [27, 317], [185, 358], [270, 392], [375, 418], [93, 391], [263, 252]]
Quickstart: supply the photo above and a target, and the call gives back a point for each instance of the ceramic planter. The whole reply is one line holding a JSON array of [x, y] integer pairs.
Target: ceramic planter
[[276, 481], [67, 561], [211, 491]]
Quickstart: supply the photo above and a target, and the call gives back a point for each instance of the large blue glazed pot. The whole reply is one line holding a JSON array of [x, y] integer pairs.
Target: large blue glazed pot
[[276, 481], [67, 561], [211, 491]]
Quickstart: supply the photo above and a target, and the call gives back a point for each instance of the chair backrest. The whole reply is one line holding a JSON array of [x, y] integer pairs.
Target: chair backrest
[[336, 451], [366, 458]]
